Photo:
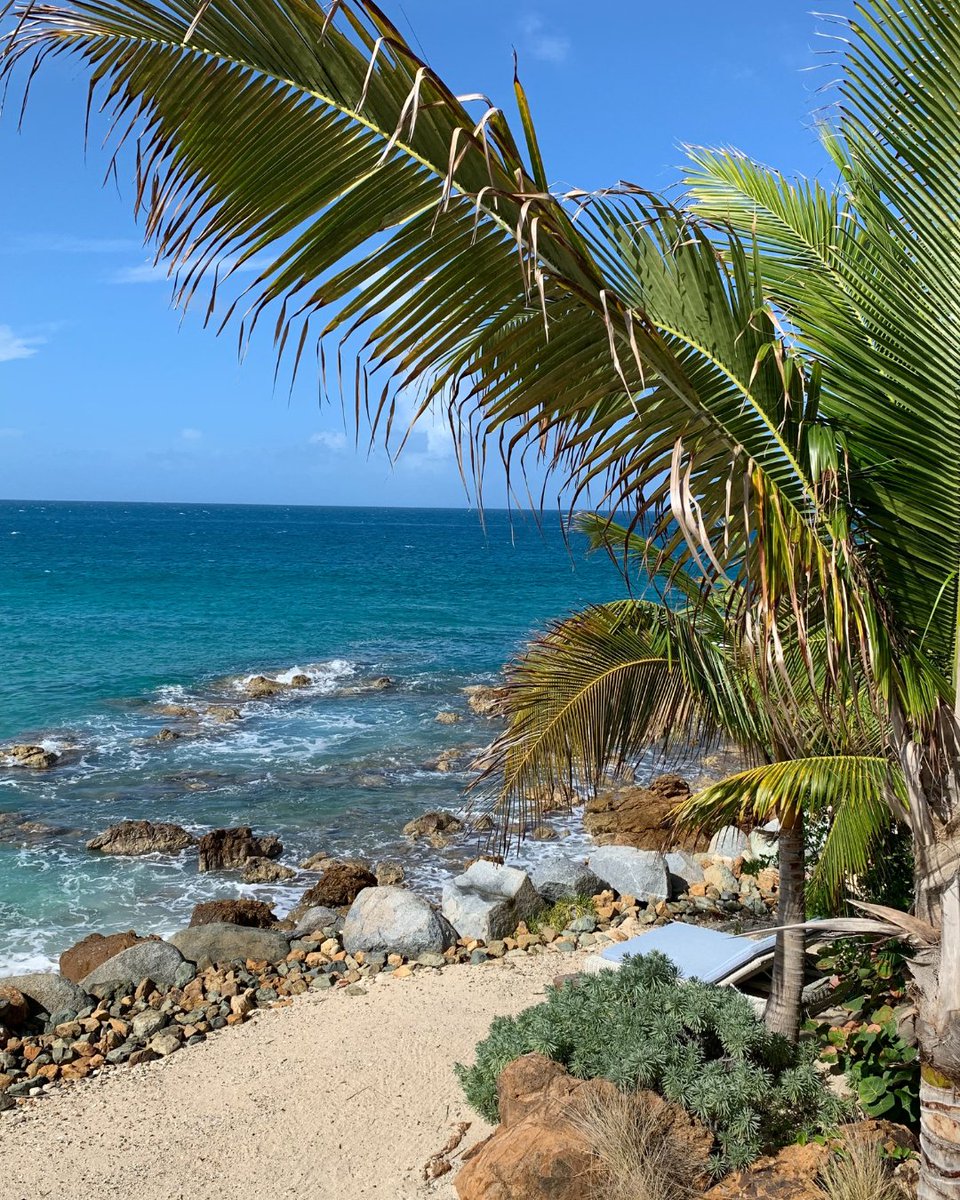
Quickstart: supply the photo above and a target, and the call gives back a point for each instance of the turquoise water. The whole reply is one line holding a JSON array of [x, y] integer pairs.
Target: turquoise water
[[107, 609]]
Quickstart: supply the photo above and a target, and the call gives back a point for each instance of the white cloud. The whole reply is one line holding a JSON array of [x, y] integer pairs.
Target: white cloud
[[329, 441], [543, 41], [191, 435], [151, 272], [14, 345]]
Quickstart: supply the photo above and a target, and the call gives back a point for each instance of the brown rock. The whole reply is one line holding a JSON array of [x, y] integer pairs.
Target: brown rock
[[142, 837], [14, 1007], [789, 1175], [300, 681], [229, 849], [338, 886], [176, 710], [168, 735], [448, 718], [33, 757], [486, 701], [264, 870], [254, 914], [389, 874], [93, 950], [222, 713], [639, 816], [260, 685], [431, 824], [537, 1154], [317, 862]]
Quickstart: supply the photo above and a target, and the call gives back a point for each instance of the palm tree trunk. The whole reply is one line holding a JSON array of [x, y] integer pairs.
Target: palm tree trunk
[[783, 1008]]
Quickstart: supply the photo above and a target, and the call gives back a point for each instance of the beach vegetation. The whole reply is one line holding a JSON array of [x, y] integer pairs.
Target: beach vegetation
[[859, 1172], [697, 1045], [559, 915]]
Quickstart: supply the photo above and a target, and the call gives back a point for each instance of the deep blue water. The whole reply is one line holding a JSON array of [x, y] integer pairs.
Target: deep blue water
[[108, 609]]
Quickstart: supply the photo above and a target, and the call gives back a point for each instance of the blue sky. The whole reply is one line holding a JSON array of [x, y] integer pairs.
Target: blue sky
[[107, 392]]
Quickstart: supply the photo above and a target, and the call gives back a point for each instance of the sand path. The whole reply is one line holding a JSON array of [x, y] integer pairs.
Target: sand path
[[336, 1096]]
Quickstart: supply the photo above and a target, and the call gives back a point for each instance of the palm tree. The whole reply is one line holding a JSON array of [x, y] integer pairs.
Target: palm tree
[[598, 688], [768, 376]]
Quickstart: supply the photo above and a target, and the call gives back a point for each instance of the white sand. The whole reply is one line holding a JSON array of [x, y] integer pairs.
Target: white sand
[[336, 1096]]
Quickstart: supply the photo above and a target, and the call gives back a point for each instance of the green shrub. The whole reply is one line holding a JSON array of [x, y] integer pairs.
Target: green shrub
[[559, 915], [881, 1068], [700, 1046]]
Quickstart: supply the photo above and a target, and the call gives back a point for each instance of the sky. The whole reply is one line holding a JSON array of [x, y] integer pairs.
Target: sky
[[107, 392]]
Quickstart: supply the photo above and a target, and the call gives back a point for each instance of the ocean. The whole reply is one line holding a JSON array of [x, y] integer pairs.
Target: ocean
[[107, 610]]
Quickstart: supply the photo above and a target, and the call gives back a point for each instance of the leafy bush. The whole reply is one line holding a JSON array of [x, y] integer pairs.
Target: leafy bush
[[700, 1046], [559, 915], [881, 1068]]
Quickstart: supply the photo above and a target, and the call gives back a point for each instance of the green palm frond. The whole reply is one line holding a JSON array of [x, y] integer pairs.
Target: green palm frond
[[861, 793]]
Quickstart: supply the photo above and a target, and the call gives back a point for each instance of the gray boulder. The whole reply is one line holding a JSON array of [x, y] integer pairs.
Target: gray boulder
[[489, 901], [393, 920], [222, 943], [683, 870], [639, 873], [561, 878], [316, 918], [728, 842], [763, 845], [154, 960], [51, 992]]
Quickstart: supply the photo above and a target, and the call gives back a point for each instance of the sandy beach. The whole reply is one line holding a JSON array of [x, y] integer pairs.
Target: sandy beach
[[334, 1096]]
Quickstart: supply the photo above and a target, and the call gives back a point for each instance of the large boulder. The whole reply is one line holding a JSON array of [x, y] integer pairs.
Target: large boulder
[[538, 1151], [639, 873], [489, 901], [265, 870], [96, 948], [561, 878], [142, 837], [728, 842], [252, 914], [222, 943], [339, 885], [51, 992], [763, 845], [229, 849], [152, 959], [259, 686], [639, 816], [685, 870], [394, 920], [315, 920], [432, 823]]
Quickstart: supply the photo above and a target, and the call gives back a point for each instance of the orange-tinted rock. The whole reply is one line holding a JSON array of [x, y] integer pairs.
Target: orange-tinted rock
[[535, 1154], [13, 1008], [640, 816], [93, 950], [339, 885]]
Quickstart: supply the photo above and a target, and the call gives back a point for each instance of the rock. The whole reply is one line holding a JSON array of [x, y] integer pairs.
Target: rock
[[559, 798], [639, 816], [317, 862], [639, 873], [222, 713], [14, 1008], [389, 874], [486, 701], [789, 1175], [229, 849], [768, 880], [152, 959], [225, 943], [448, 718], [684, 871], [561, 878], [147, 1023], [542, 833], [316, 919], [728, 842], [338, 886], [763, 846], [259, 686], [489, 901], [300, 681], [176, 710], [164, 1044], [537, 1154], [264, 870], [142, 837], [251, 914], [51, 992], [720, 877], [84, 957], [168, 735], [33, 757], [393, 920], [432, 823]]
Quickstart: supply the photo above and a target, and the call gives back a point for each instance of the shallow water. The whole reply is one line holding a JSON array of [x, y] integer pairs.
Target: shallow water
[[107, 609]]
